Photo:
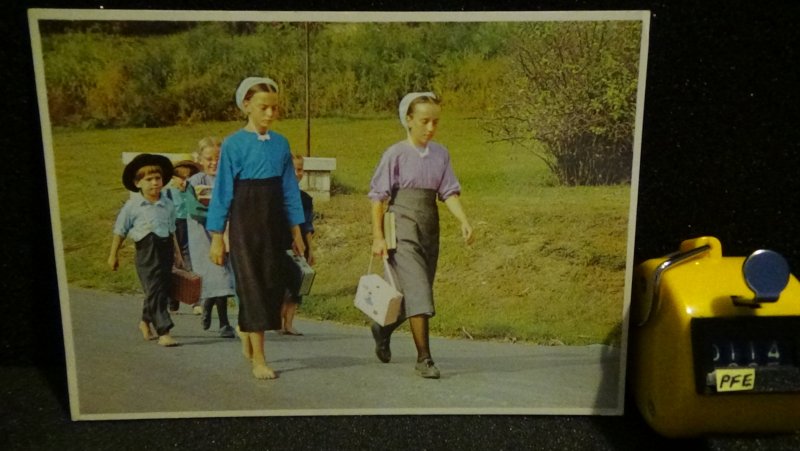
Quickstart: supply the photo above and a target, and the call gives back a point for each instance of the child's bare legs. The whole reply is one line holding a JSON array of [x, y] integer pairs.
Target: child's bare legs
[[147, 332], [167, 341], [284, 307], [260, 368], [288, 310]]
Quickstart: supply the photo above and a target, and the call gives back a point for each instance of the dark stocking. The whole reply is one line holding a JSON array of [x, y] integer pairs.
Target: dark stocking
[[389, 328], [419, 330], [205, 319], [222, 310]]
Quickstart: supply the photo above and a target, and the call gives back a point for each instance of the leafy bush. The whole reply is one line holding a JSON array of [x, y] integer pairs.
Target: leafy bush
[[573, 89], [565, 91], [190, 75]]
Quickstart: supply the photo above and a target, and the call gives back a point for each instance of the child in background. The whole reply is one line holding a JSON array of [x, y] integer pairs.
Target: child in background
[[176, 192], [293, 300], [217, 283], [149, 219], [256, 191]]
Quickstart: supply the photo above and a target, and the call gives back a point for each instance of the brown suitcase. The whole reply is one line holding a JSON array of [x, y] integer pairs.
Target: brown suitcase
[[185, 286]]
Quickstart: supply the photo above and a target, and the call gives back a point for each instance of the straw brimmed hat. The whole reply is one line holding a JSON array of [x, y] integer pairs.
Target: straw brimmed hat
[[194, 168]]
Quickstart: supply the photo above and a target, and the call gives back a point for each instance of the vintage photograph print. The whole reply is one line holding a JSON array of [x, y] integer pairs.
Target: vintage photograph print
[[283, 213]]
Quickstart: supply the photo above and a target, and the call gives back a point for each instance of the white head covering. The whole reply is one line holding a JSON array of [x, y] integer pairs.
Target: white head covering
[[406, 102], [248, 83]]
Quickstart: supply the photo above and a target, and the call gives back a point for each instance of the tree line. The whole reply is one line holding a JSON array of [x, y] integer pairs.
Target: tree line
[[565, 90]]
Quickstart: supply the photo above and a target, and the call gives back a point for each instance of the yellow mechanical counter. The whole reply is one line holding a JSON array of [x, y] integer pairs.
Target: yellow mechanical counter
[[716, 342]]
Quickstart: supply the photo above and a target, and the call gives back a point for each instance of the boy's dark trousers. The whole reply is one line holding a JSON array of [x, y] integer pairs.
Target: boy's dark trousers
[[154, 259]]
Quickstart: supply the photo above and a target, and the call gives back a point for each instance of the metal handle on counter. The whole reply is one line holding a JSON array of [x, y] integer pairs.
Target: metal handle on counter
[[671, 261]]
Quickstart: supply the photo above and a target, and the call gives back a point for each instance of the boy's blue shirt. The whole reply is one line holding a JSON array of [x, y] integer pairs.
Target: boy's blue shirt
[[245, 157], [138, 218]]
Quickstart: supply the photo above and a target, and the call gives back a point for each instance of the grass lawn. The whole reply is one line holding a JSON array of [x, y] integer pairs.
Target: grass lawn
[[548, 264]]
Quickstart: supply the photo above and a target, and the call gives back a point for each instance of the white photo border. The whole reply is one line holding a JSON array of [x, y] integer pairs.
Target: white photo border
[[37, 15]]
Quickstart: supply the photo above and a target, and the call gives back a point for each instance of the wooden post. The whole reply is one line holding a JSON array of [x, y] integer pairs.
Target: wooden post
[[308, 94]]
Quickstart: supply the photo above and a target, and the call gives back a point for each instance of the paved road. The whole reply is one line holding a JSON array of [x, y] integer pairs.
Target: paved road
[[330, 370]]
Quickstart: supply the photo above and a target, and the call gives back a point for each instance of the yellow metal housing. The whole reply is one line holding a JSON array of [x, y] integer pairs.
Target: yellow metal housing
[[663, 368]]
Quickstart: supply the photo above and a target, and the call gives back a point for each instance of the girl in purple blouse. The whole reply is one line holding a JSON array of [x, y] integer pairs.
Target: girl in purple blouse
[[410, 177]]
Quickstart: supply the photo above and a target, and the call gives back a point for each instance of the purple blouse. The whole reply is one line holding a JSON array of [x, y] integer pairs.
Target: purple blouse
[[404, 166]]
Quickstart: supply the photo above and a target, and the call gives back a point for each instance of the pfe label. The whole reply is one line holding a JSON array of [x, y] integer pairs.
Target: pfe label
[[735, 379]]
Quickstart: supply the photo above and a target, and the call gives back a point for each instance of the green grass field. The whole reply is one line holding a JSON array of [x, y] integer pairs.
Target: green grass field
[[547, 267]]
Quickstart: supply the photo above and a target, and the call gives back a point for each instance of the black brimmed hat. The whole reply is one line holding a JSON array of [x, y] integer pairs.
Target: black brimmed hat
[[142, 160]]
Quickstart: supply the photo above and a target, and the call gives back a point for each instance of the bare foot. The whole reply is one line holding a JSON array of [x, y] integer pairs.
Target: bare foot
[[167, 341], [263, 372], [147, 333], [247, 348]]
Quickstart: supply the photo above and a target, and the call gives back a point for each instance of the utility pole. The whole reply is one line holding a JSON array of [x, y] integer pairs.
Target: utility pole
[[308, 94]]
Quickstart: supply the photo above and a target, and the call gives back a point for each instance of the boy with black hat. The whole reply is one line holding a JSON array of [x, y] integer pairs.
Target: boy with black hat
[[149, 219]]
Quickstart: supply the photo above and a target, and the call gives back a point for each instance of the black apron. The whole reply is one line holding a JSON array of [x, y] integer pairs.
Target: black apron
[[259, 236]]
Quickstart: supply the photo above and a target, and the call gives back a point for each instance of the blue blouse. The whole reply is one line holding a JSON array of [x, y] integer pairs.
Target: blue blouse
[[178, 198], [247, 155], [139, 217]]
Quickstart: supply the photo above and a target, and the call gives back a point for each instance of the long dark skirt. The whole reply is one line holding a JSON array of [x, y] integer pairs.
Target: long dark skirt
[[154, 259], [259, 236], [414, 262]]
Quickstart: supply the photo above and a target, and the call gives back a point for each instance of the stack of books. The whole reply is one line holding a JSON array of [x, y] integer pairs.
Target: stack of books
[[390, 230]]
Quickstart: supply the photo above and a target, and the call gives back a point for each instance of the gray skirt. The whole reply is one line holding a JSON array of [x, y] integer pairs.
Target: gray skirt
[[414, 260], [217, 279]]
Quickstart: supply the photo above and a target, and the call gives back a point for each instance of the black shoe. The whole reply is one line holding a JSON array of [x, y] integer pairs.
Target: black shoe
[[427, 369], [381, 344], [226, 331]]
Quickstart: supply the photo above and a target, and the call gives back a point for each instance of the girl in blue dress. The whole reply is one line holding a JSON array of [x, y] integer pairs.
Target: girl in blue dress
[[256, 190]]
